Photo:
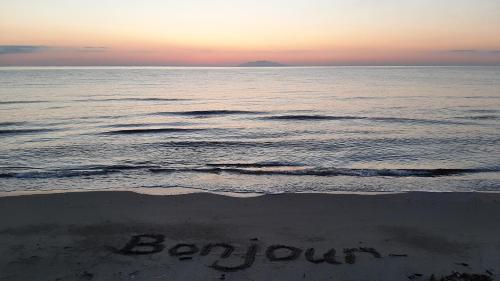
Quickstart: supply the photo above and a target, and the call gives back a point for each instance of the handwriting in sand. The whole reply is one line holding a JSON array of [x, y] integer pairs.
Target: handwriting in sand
[[146, 244]]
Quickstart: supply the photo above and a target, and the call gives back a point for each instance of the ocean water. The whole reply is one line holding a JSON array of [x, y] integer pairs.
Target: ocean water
[[265, 130]]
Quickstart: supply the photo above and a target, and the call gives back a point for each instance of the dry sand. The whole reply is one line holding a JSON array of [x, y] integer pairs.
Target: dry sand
[[129, 236]]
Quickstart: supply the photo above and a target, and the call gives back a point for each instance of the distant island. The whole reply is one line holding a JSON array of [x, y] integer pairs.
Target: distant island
[[261, 63]]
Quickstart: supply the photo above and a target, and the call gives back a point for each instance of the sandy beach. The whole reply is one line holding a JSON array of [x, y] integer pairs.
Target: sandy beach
[[130, 236]]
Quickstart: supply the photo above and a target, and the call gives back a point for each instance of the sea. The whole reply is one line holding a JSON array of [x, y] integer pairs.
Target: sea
[[250, 130]]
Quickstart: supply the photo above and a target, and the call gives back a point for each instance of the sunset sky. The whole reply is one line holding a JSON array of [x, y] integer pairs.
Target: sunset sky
[[216, 32]]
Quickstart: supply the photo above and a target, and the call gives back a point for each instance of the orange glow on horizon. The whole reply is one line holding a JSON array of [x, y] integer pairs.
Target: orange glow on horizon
[[296, 32]]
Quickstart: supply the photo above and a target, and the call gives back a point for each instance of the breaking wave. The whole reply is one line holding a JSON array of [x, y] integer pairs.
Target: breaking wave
[[83, 171], [268, 168], [57, 174], [327, 172]]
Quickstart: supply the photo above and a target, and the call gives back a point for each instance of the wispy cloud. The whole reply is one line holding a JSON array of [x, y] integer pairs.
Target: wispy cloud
[[27, 49], [21, 49], [463, 51], [473, 51], [91, 49]]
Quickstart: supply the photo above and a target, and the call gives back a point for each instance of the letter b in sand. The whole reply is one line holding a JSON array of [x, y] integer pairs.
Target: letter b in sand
[[144, 244]]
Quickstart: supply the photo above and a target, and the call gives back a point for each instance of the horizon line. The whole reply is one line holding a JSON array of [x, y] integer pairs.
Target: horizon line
[[281, 66]]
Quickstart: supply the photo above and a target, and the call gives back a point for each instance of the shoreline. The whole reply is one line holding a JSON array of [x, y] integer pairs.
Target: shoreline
[[201, 236], [173, 191]]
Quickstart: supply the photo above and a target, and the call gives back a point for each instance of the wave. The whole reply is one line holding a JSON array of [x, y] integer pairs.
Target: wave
[[22, 101], [416, 121], [17, 167], [255, 165], [223, 144], [7, 124], [202, 113], [55, 107], [93, 170], [130, 99], [309, 117], [127, 125], [479, 97], [57, 174], [492, 111], [330, 172], [480, 117], [256, 169], [100, 117], [25, 131], [381, 98], [152, 131], [115, 167], [381, 119], [326, 145]]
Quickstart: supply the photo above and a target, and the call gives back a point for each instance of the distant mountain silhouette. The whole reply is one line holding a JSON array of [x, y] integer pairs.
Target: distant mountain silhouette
[[261, 63]]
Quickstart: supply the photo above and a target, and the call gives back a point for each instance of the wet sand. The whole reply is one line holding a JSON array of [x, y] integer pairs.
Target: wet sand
[[130, 236]]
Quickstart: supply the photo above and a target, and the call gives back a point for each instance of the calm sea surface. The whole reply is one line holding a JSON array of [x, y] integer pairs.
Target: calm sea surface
[[268, 130]]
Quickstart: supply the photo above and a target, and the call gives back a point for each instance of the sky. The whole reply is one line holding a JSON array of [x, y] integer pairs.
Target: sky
[[230, 32]]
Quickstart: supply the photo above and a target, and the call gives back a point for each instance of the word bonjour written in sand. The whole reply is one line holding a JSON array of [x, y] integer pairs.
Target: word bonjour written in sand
[[146, 244]]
